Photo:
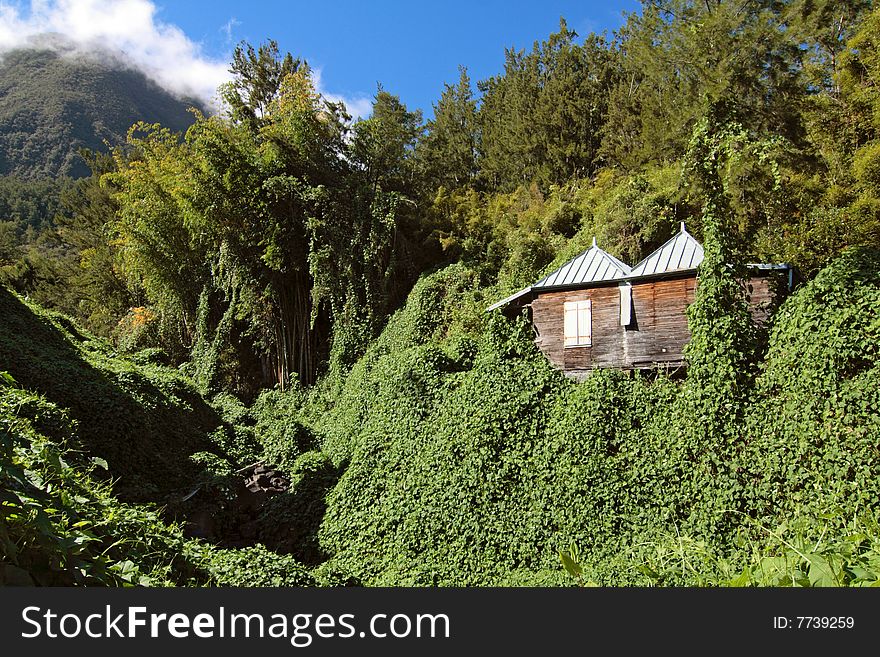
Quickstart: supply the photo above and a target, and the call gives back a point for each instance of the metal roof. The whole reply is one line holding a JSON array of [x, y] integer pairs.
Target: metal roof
[[680, 253], [512, 297], [591, 266]]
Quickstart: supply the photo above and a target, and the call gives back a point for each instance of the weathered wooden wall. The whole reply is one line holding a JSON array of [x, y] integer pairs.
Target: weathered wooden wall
[[657, 334], [766, 290]]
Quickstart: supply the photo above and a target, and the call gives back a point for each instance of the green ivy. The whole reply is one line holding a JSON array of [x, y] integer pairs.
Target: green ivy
[[466, 459]]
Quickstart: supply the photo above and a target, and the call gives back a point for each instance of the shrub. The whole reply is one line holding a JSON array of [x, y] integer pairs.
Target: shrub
[[255, 566]]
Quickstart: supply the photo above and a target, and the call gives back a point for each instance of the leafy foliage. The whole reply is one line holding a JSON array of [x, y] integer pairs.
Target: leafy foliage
[[61, 521], [256, 566], [61, 527], [126, 414], [805, 551], [816, 423], [472, 471]]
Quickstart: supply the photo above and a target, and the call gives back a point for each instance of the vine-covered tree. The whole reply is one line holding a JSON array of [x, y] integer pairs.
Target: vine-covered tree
[[723, 347], [268, 224]]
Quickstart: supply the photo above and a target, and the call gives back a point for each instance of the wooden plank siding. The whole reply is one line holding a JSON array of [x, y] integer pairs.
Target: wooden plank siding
[[765, 291], [657, 334]]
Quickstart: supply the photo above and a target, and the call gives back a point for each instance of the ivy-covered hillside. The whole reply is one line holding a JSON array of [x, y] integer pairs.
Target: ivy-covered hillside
[[452, 454]]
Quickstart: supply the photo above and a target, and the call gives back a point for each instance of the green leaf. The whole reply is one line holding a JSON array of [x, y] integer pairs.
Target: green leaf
[[821, 571], [741, 580], [650, 572], [101, 463], [571, 566]]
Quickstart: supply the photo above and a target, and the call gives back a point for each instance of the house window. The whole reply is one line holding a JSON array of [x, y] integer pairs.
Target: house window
[[578, 323]]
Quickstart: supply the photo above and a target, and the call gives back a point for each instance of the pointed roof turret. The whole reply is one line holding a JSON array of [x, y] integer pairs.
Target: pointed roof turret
[[680, 253], [591, 266]]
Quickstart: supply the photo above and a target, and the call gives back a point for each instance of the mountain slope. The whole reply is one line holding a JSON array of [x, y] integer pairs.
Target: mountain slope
[[52, 104]]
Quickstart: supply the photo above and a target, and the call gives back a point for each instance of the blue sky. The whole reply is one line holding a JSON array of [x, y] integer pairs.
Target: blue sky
[[412, 48]]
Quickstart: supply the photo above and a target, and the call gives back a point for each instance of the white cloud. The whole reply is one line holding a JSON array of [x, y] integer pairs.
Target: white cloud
[[130, 29], [127, 27], [358, 106], [227, 28]]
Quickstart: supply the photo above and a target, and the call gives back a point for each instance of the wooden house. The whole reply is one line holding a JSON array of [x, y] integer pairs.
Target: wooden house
[[596, 311]]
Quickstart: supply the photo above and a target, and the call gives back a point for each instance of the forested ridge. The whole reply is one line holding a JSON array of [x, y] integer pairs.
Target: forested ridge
[[283, 285], [55, 100]]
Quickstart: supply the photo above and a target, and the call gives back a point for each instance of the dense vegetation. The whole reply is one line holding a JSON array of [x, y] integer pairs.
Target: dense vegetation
[[279, 284], [85, 461]]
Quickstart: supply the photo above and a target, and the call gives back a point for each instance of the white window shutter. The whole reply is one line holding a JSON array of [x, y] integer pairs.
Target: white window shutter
[[578, 323], [585, 323], [625, 304], [571, 323]]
